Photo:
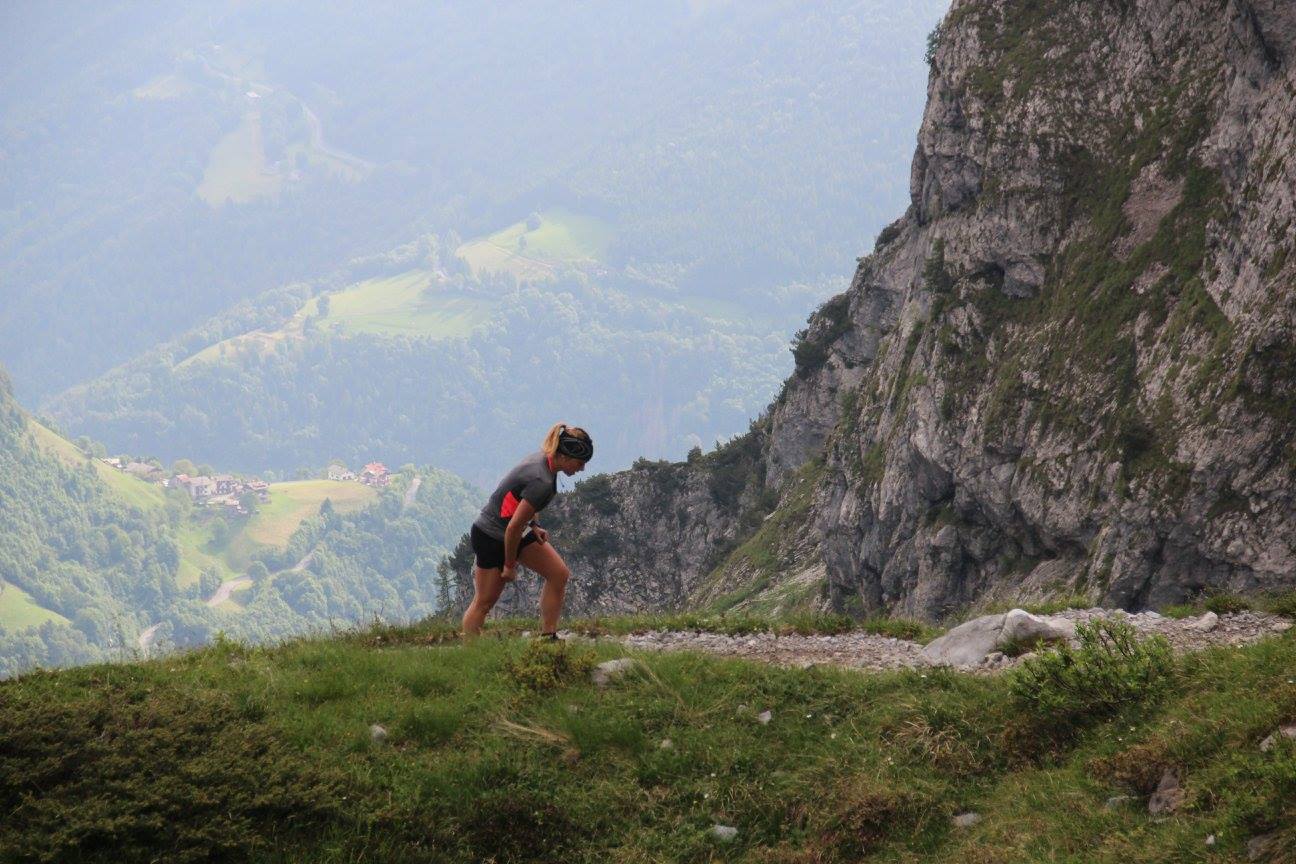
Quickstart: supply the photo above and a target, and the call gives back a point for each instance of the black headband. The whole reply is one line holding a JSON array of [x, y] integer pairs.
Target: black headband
[[576, 448]]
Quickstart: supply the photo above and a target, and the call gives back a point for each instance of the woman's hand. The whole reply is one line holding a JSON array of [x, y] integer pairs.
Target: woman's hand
[[542, 536], [509, 573]]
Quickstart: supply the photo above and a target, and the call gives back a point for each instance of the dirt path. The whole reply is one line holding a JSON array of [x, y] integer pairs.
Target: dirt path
[[227, 588], [411, 493], [877, 653], [145, 640]]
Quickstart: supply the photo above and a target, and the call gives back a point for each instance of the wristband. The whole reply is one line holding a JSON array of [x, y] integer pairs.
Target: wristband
[[510, 564]]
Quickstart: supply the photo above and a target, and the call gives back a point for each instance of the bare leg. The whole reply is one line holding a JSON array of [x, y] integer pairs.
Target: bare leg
[[545, 560], [487, 587]]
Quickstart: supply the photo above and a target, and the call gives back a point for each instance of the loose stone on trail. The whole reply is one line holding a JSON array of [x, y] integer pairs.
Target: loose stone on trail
[[1284, 732], [724, 833], [1206, 623], [1168, 796], [610, 670]]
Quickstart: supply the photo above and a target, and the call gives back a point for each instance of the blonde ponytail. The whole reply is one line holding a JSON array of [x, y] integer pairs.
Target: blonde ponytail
[[550, 443]]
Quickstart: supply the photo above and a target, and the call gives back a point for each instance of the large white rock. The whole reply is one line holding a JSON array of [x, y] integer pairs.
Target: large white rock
[[724, 833], [967, 644], [1021, 626], [1206, 623], [970, 643], [608, 671]]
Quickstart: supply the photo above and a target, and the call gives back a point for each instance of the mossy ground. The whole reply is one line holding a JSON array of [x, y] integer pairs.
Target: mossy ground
[[502, 751]]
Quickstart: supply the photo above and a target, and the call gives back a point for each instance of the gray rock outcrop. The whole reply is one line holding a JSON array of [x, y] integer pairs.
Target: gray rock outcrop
[[970, 643]]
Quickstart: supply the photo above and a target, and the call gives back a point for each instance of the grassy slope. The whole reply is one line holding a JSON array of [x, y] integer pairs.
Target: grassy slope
[[293, 502], [394, 306], [268, 750], [271, 526], [19, 611], [562, 237], [399, 306], [236, 169], [131, 490]]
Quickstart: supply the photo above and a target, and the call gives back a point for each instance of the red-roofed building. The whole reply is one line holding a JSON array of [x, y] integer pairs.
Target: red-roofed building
[[375, 474]]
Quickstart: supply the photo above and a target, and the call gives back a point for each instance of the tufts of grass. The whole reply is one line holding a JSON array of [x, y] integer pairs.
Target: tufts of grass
[[1222, 604], [431, 725], [546, 665], [1283, 603], [900, 628]]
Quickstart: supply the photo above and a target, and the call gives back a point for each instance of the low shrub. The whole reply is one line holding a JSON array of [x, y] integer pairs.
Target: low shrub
[[550, 665], [862, 816], [1136, 769], [1281, 604], [1222, 604], [1110, 671], [518, 825]]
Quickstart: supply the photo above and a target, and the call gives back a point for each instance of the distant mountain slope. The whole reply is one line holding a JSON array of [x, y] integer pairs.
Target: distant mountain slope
[[161, 164], [95, 563], [78, 559], [428, 361]]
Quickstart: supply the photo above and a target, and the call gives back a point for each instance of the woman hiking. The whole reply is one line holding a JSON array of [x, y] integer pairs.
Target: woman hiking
[[507, 531]]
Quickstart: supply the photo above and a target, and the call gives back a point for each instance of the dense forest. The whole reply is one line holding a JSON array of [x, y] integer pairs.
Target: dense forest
[[85, 569]]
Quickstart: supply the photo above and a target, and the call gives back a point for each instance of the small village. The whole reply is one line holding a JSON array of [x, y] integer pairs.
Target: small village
[[229, 493]]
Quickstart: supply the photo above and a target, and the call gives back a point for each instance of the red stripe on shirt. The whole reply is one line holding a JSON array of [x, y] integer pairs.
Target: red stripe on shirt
[[509, 505]]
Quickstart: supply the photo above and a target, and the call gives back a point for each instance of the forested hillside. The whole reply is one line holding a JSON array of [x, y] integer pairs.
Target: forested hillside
[[165, 166], [95, 563], [436, 364], [81, 569]]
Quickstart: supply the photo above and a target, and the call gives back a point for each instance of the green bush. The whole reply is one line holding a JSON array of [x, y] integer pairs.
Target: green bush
[[1282, 604], [1110, 671], [1222, 604], [547, 666]]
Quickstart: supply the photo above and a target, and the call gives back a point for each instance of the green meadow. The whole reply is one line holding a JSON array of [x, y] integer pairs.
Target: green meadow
[[291, 504], [131, 490], [503, 750], [533, 250], [411, 304], [236, 170], [18, 610]]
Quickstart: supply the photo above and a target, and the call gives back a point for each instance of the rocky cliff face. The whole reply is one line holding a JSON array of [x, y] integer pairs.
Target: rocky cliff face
[[1067, 369]]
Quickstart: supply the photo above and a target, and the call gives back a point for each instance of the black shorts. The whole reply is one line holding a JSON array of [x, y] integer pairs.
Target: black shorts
[[490, 552]]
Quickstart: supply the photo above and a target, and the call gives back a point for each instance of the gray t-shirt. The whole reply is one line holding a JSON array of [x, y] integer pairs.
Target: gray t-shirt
[[530, 480]]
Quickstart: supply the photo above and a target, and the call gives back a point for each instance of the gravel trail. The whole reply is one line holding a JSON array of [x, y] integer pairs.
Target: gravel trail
[[878, 653]]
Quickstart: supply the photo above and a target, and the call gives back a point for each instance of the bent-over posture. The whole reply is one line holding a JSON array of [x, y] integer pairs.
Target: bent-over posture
[[508, 532]]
